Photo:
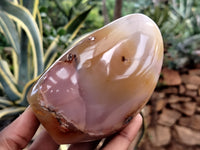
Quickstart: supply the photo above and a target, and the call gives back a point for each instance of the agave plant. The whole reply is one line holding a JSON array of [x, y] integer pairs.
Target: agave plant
[[21, 24]]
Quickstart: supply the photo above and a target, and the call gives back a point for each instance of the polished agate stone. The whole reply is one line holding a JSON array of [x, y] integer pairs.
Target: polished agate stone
[[100, 84]]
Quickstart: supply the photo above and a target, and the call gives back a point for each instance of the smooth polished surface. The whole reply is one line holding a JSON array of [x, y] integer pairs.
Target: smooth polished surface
[[97, 86]]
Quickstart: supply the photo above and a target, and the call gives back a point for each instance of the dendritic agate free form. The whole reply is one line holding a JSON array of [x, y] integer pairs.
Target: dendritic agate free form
[[96, 87]]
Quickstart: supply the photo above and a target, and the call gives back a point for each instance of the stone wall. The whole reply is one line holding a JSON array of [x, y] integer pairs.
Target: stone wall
[[172, 116]]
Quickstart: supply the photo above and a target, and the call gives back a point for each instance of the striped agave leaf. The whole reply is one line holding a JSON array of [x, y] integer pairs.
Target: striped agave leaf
[[5, 103], [10, 32], [8, 82], [25, 20], [11, 110], [16, 21]]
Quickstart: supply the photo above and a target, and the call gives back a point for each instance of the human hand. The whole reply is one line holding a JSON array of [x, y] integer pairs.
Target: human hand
[[19, 133]]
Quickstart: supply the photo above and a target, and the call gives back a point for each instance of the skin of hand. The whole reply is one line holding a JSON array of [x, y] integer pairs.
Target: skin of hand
[[18, 134]]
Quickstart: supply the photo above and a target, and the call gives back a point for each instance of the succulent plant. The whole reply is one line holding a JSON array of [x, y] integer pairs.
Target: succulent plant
[[96, 87]]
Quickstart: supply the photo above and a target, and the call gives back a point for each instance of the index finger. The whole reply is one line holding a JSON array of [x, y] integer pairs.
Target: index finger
[[18, 134]]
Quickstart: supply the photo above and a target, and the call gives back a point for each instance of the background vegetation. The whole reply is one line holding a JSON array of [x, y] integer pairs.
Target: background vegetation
[[178, 21]]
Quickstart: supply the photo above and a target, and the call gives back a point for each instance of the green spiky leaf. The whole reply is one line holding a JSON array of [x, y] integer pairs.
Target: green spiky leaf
[[24, 18], [71, 28], [11, 110]]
